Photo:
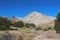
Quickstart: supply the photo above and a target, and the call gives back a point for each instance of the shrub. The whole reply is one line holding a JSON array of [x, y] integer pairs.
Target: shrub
[[27, 25], [19, 24], [46, 29], [4, 23], [49, 28], [33, 25], [38, 28]]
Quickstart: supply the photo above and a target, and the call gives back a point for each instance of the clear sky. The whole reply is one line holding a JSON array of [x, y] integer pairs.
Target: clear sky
[[21, 8]]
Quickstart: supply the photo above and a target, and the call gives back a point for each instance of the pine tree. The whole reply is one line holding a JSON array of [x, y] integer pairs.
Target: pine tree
[[58, 17], [57, 23]]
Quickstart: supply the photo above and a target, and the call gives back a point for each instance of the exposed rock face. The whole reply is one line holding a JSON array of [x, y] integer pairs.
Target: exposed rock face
[[39, 19]]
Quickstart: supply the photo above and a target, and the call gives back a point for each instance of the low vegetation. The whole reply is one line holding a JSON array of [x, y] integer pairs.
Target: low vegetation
[[4, 23], [38, 28], [28, 25], [18, 24]]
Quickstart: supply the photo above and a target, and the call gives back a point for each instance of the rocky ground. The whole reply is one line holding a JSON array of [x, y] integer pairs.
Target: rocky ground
[[36, 35], [46, 35]]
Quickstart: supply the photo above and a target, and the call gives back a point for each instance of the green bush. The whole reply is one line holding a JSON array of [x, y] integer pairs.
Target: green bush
[[38, 28], [4, 23], [32, 25], [27, 25], [46, 29], [19, 24], [49, 28]]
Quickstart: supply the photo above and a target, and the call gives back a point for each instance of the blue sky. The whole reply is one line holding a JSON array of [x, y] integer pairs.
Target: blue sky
[[22, 8]]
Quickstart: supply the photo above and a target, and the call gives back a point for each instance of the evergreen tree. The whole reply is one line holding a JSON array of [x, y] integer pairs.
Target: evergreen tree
[[57, 23], [58, 17]]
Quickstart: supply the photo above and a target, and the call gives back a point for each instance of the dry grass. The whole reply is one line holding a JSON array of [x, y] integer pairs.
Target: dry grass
[[27, 33]]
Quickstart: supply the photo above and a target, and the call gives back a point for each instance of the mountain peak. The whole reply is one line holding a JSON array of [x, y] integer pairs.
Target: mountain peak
[[37, 18], [35, 13]]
